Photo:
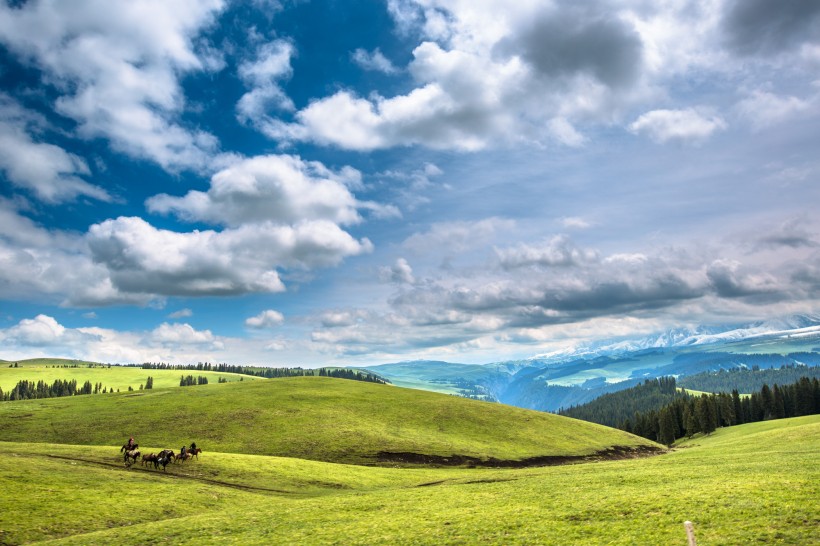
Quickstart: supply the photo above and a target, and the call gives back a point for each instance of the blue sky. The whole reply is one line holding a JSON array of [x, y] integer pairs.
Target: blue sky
[[315, 183]]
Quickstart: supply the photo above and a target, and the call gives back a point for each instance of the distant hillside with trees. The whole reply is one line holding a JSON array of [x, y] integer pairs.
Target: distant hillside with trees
[[685, 415], [615, 408], [748, 380]]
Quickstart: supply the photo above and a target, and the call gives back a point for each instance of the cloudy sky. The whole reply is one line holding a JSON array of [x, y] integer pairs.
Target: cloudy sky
[[347, 182]]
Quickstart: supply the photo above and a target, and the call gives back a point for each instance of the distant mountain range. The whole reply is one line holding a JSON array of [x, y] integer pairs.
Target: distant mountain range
[[550, 382]]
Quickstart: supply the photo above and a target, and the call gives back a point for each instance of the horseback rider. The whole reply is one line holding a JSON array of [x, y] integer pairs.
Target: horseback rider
[[193, 447], [131, 443], [182, 451]]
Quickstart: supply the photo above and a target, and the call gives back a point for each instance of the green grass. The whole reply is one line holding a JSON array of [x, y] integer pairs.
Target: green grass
[[115, 377], [752, 484], [315, 418]]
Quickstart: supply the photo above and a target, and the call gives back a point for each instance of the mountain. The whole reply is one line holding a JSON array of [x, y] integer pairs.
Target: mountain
[[550, 382]]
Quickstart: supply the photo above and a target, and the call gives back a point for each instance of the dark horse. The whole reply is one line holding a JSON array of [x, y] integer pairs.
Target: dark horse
[[132, 456], [195, 452], [163, 459]]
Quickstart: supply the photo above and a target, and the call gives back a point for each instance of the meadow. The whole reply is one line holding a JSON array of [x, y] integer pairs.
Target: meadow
[[62, 478], [112, 378]]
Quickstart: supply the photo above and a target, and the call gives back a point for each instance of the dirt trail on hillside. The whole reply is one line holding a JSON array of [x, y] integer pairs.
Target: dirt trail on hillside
[[613, 453], [164, 474]]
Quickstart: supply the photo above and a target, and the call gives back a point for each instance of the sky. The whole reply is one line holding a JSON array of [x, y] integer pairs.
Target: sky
[[309, 183]]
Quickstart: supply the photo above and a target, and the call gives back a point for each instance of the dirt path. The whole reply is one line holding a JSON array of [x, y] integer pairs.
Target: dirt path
[[119, 466]]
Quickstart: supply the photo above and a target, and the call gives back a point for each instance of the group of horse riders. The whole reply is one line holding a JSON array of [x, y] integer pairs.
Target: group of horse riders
[[164, 456]]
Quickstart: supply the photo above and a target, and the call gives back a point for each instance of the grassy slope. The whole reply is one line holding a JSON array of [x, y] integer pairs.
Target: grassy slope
[[756, 483], [115, 377], [314, 418]]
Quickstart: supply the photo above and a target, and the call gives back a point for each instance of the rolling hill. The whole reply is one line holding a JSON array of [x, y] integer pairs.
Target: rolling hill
[[756, 483], [315, 418]]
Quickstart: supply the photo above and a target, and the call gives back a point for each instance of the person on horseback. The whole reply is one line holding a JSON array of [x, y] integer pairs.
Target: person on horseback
[[131, 443], [182, 451], [193, 447]]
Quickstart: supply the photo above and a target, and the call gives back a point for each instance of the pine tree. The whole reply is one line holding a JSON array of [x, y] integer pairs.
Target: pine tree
[[668, 426], [690, 423], [705, 413]]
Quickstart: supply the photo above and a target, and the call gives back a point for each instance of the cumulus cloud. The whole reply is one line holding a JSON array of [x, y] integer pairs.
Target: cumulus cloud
[[118, 65], [145, 260], [262, 76], [180, 334], [37, 264], [400, 272], [559, 251], [49, 172], [373, 60], [266, 319], [489, 73], [763, 109], [166, 343], [281, 189], [677, 125]]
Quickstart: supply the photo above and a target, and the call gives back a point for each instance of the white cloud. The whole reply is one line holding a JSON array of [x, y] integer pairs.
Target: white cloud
[[281, 189], [457, 237], [118, 65], [559, 251], [677, 125], [400, 272], [182, 313], [262, 76], [52, 174], [181, 334], [142, 259], [266, 319], [763, 109], [374, 60]]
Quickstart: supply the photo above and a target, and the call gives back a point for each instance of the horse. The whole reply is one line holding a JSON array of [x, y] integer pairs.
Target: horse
[[195, 452], [163, 459], [183, 456], [126, 447], [131, 456], [150, 458]]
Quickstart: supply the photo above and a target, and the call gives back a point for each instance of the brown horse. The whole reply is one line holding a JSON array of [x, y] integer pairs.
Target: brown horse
[[131, 456], [126, 447], [183, 457], [195, 452], [150, 458]]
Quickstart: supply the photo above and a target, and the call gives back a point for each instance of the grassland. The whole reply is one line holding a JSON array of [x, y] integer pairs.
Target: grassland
[[752, 484], [112, 378], [317, 418]]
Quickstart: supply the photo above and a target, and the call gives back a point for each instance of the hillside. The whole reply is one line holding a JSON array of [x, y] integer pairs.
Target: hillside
[[751, 484], [314, 418], [110, 377]]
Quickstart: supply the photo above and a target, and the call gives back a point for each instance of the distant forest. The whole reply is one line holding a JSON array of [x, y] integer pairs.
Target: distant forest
[[269, 373], [684, 415], [748, 380]]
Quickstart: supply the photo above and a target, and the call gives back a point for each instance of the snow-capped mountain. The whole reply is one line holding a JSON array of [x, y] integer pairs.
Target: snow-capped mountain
[[792, 325]]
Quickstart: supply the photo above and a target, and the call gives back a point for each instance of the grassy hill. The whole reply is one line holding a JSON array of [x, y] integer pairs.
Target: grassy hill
[[756, 483], [111, 377], [314, 418]]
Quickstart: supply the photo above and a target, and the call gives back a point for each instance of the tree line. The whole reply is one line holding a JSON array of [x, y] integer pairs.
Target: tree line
[[28, 390], [747, 380], [613, 409], [707, 412], [269, 373]]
